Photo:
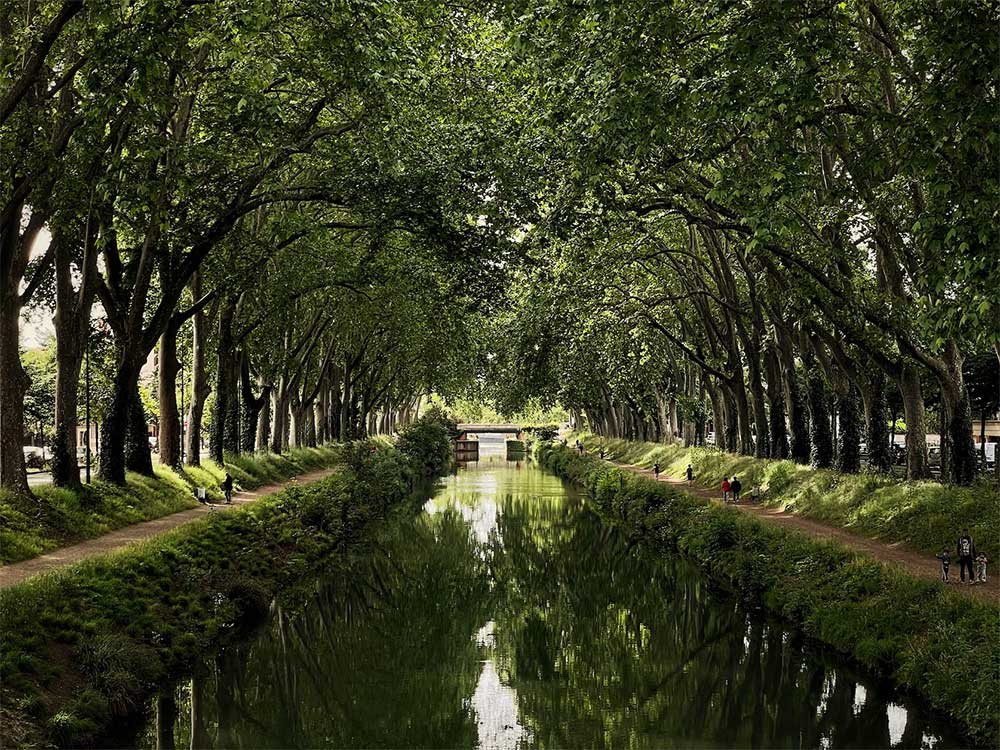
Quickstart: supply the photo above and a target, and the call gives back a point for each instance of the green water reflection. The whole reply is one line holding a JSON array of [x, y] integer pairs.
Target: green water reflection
[[505, 616]]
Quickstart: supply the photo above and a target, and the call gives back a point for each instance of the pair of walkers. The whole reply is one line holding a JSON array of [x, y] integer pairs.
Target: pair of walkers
[[227, 490], [731, 490], [968, 560]]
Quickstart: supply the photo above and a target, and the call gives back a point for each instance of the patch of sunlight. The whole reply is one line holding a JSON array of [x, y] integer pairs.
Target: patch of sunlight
[[495, 705], [897, 723], [860, 697]]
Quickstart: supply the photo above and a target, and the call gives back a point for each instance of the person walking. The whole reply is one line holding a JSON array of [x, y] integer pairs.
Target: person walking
[[945, 558], [690, 473], [966, 550], [981, 568], [227, 487], [737, 487], [656, 471], [725, 490]]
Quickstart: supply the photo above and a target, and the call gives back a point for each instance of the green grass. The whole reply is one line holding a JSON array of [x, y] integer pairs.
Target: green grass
[[920, 634], [56, 517], [90, 643], [928, 516]]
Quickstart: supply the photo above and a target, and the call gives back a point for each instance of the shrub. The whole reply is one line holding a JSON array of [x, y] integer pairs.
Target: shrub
[[426, 443]]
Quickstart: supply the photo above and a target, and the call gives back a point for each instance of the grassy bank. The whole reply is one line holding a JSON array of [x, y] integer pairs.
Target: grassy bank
[[56, 517], [924, 637], [86, 647], [928, 516]]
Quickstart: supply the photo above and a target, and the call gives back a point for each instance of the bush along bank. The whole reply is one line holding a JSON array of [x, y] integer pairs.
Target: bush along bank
[[935, 642], [928, 516], [57, 516], [85, 647]]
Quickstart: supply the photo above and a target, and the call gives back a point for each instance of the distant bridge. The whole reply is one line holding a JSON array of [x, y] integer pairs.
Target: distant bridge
[[488, 429]]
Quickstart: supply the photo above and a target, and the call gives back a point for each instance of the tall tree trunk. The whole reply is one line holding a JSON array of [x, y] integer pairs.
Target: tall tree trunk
[[743, 416], [819, 417], [279, 415], [250, 406], [762, 443], [795, 402], [14, 384], [776, 400], [199, 379], [72, 325], [224, 385], [916, 431], [65, 466], [170, 420], [138, 455], [115, 426], [849, 448], [264, 427], [345, 408], [958, 449], [877, 422]]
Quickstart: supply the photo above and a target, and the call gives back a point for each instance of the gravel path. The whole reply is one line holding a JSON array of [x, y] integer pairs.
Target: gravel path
[[15, 573], [914, 562]]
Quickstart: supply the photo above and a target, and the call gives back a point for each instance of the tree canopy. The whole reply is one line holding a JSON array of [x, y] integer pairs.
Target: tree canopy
[[766, 220]]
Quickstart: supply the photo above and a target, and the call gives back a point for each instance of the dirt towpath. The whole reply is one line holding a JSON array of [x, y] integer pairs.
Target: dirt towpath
[[15, 573], [914, 562]]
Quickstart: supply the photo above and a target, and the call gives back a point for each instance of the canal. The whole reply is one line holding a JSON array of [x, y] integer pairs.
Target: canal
[[506, 615]]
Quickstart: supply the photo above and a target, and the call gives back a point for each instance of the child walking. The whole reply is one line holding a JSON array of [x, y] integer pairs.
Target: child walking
[[981, 568], [945, 558]]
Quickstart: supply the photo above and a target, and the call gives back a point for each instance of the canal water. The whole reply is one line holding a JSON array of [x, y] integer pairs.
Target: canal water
[[506, 615]]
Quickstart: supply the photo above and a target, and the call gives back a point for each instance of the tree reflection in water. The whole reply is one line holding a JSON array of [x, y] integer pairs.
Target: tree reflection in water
[[508, 615]]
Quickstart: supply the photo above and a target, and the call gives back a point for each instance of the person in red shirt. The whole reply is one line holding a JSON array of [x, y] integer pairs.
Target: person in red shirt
[[725, 490]]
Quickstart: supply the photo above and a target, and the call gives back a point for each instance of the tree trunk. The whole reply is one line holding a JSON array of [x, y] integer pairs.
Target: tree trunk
[[199, 379], [776, 400], [14, 384], [264, 427], [223, 382], [279, 403], [958, 449], [69, 359], [345, 408], [762, 444], [138, 455], [819, 417], [115, 426], [849, 448], [795, 403], [717, 399], [877, 422], [72, 325], [743, 416], [250, 406], [916, 432], [170, 420]]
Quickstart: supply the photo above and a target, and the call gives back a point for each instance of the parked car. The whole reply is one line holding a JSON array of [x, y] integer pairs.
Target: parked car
[[34, 457]]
